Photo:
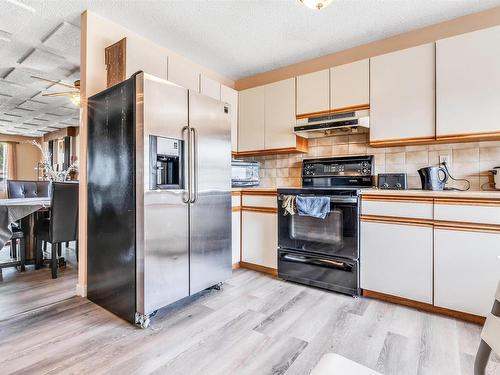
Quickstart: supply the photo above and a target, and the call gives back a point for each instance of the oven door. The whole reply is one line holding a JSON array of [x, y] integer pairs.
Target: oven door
[[340, 275], [336, 235]]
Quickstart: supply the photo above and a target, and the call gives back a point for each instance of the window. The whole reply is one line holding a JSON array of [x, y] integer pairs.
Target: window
[[3, 166]]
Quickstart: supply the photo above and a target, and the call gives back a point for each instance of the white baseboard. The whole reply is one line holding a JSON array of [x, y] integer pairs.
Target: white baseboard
[[81, 290]]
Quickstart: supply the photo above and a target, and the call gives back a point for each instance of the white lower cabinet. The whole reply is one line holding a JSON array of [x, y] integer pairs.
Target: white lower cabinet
[[236, 232], [466, 270], [396, 259], [259, 233]]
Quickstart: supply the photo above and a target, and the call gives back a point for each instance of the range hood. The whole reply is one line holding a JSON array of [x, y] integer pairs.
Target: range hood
[[319, 126]]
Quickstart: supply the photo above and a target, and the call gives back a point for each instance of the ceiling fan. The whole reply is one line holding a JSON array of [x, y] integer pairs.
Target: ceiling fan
[[74, 96]]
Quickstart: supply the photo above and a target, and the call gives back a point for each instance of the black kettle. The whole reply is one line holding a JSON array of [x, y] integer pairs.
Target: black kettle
[[433, 178]]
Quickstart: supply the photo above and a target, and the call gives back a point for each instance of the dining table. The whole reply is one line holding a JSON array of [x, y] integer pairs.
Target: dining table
[[15, 209]]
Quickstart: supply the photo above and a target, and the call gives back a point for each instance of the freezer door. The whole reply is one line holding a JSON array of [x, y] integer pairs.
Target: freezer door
[[210, 212], [162, 216]]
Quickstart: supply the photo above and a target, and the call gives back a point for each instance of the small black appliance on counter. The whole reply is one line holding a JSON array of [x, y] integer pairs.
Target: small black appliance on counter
[[397, 181], [433, 178], [325, 252]]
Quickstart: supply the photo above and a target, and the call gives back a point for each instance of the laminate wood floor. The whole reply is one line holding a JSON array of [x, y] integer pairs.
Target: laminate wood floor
[[24, 291], [255, 325]]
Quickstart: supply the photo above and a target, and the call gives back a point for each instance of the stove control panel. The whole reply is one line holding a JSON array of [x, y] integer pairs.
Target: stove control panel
[[348, 171], [345, 166]]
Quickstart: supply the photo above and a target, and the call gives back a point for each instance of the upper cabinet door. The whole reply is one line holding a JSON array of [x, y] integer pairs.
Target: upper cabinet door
[[350, 85], [280, 114], [184, 73], [313, 92], [230, 96], [210, 87], [402, 95], [468, 83], [251, 126]]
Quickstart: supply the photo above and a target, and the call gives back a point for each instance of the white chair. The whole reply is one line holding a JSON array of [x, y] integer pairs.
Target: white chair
[[334, 364], [490, 337]]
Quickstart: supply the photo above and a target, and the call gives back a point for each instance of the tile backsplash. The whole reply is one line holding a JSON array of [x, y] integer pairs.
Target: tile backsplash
[[467, 160]]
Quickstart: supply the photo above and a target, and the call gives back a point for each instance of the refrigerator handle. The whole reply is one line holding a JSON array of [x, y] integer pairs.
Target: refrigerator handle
[[195, 164], [187, 141]]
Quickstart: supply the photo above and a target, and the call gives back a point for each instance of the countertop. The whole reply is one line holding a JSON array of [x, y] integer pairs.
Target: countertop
[[478, 194]]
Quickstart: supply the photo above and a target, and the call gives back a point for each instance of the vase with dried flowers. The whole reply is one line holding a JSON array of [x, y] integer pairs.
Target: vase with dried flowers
[[49, 172]]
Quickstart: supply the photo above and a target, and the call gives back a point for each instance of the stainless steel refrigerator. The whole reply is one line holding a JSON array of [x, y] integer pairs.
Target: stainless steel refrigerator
[[159, 196]]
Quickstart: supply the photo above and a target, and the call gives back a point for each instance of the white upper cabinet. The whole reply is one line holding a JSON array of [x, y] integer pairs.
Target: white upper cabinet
[[468, 83], [350, 85], [183, 72], [210, 87], [313, 92], [402, 94], [251, 126], [230, 96], [280, 114]]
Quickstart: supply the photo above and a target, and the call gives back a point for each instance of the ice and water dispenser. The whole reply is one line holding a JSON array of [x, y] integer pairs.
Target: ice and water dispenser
[[166, 163]]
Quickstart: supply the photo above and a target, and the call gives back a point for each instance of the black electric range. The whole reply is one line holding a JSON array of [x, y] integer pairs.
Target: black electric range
[[325, 252]]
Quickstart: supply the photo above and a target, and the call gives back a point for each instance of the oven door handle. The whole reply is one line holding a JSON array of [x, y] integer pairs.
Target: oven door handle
[[333, 199], [328, 263]]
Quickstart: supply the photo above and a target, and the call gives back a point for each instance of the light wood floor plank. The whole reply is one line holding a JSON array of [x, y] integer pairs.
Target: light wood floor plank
[[255, 325]]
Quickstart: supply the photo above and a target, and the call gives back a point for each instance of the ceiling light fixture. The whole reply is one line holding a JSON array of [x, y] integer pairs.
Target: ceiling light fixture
[[316, 4]]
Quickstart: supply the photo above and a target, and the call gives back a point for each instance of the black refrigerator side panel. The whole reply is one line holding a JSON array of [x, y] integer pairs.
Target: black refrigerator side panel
[[111, 208]]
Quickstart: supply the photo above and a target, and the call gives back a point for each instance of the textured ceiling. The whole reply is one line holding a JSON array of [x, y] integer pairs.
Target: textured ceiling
[[235, 38], [33, 43]]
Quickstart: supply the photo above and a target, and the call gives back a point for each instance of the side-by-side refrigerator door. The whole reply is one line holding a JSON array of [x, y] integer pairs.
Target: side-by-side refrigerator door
[[162, 207], [210, 216]]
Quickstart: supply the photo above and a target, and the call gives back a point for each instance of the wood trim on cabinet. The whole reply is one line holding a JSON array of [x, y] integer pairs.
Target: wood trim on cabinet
[[236, 209], [235, 193], [403, 142], [264, 210], [333, 111], [259, 268], [301, 146], [397, 220], [437, 224], [263, 193], [236, 265], [466, 226], [451, 138], [468, 201], [397, 198], [424, 306], [469, 137]]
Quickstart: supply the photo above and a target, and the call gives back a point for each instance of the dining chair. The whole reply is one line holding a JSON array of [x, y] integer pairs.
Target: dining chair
[[62, 226], [18, 253], [28, 189], [490, 337]]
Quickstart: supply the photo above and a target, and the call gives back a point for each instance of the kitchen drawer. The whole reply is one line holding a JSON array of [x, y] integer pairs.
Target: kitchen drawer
[[407, 209], [469, 213], [259, 200]]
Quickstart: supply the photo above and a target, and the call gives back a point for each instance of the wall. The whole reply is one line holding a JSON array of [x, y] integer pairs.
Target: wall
[[27, 156], [468, 160], [96, 34], [471, 22]]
